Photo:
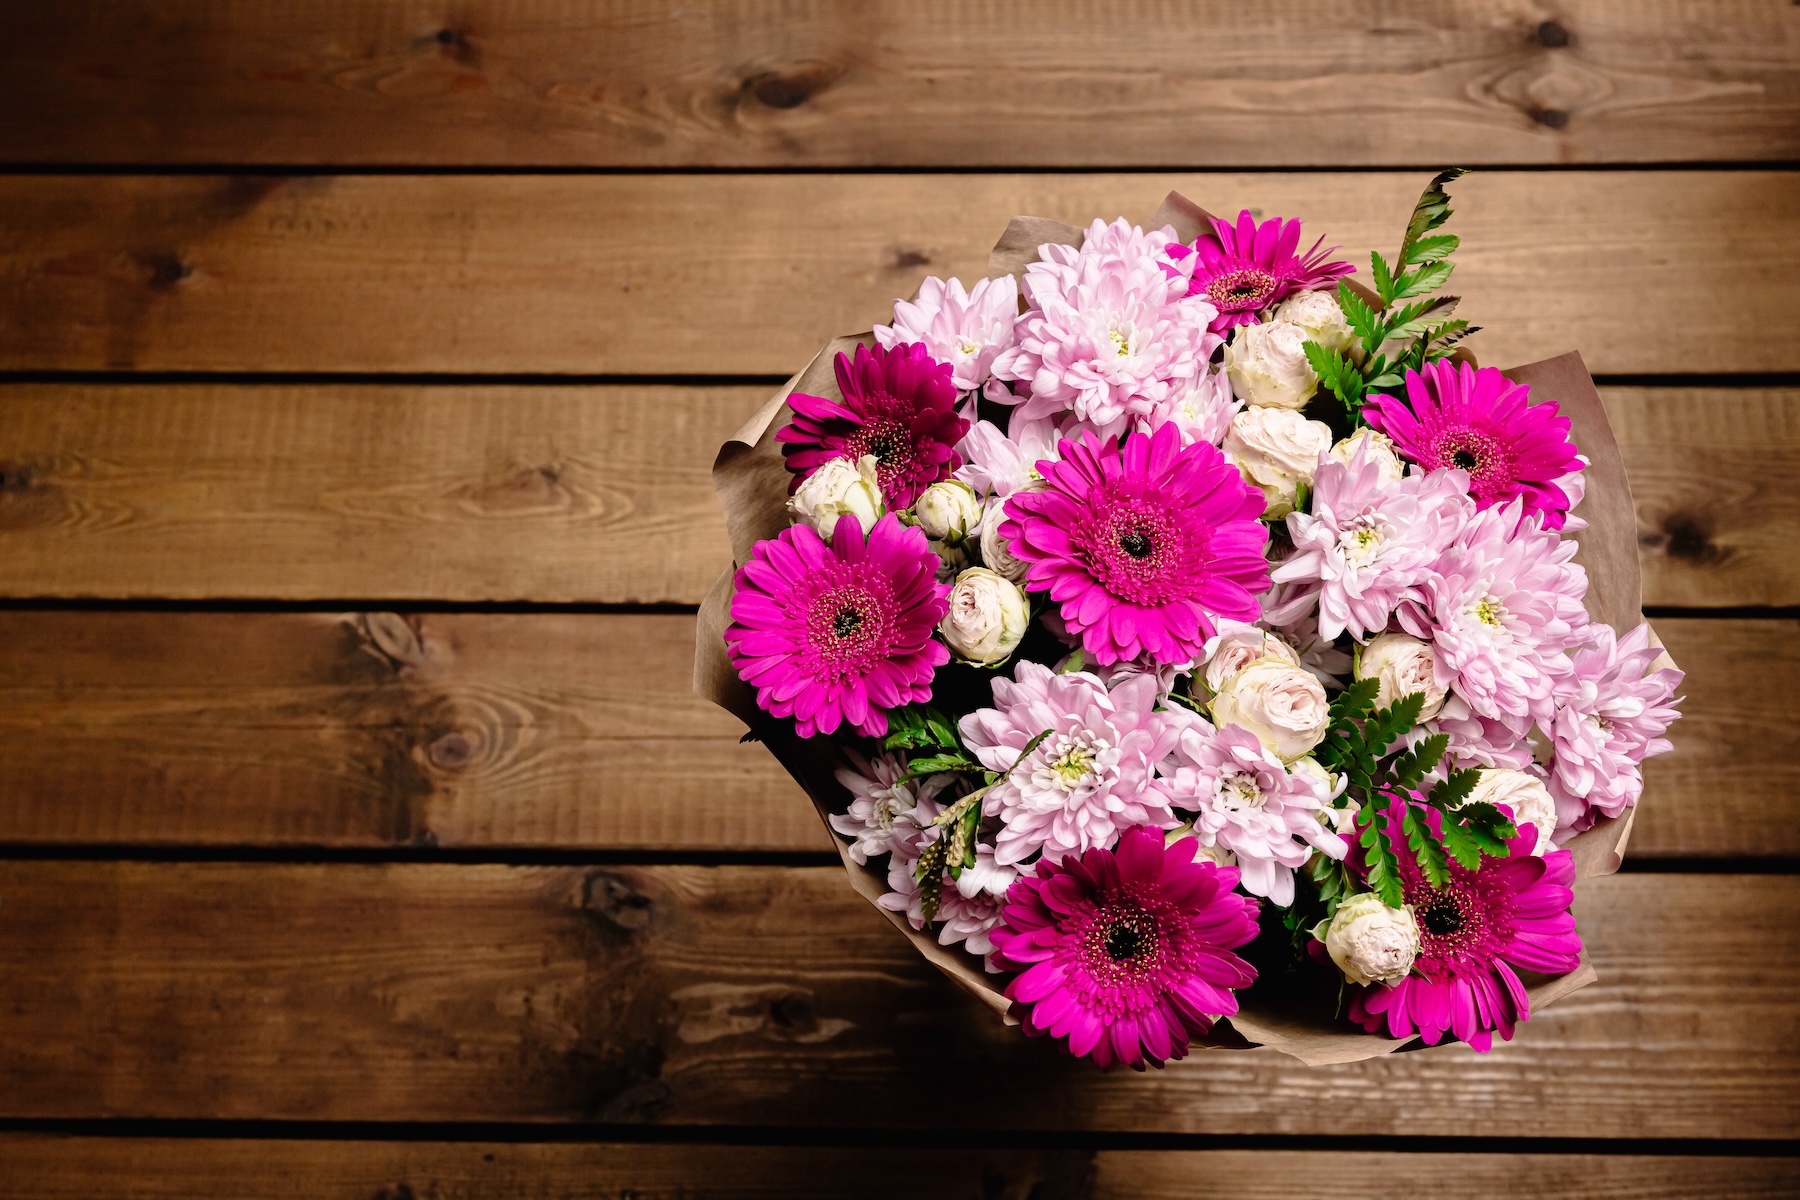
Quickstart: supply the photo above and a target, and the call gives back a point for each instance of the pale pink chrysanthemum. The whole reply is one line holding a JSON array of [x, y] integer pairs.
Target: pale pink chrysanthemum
[[1456, 417], [1201, 408], [1475, 741], [1242, 267], [881, 816], [997, 464], [961, 918], [1245, 801], [1291, 612], [1366, 547], [1091, 778], [1107, 338], [1143, 546], [966, 329], [1126, 954], [1502, 610], [1611, 717]]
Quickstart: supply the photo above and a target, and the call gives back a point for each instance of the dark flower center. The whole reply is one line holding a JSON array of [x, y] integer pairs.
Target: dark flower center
[[1464, 459], [1123, 942], [889, 441], [1442, 920], [847, 622], [1135, 543], [1135, 549], [1240, 290], [848, 627], [1486, 459]]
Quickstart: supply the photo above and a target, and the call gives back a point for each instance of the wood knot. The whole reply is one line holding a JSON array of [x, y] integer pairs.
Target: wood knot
[[1685, 537], [1551, 118], [16, 477], [789, 88], [396, 1191], [1552, 35], [391, 637], [906, 260], [795, 1011], [452, 752], [166, 270], [610, 897]]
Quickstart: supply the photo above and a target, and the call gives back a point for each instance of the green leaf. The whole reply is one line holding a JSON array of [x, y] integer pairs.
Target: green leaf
[[1432, 210], [1383, 866], [1075, 662], [1388, 725], [941, 728], [1384, 279], [1425, 848], [1336, 374], [929, 871], [1036, 741], [1417, 763], [1431, 249], [1355, 701], [1360, 317], [1453, 789], [1411, 320], [1427, 278], [938, 764]]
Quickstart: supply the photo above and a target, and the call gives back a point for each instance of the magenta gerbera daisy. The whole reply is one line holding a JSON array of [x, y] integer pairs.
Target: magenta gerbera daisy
[[839, 632], [1475, 935], [899, 405], [1242, 268], [1126, 954], [1479, 421], [1144, 545]]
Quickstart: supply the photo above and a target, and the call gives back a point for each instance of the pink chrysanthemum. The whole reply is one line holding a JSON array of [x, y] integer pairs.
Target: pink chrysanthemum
[[899, 405], [965, 329], [829, 634], [1502, 609], [1456, 417], [998, 464], [1611, 719], [1475, 935], [1110, 336], [1364, 547], [1143, 547], [965, 913], [1127, 955], [1091, 778], [880, 818], [1242, 268], [1246, 802]]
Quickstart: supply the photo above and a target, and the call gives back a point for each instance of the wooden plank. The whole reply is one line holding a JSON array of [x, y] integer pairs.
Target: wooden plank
[[601, 494], [43, 1167], [764, 995], [1645, 271], [579, 731], [932, 82]]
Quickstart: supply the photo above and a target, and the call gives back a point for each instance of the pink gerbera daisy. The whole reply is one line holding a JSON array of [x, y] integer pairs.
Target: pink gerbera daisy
[[839, 632], [1242, 268], [1475, 935], [1126, 954], [1479, 421], [1143, 546], [899, 405]]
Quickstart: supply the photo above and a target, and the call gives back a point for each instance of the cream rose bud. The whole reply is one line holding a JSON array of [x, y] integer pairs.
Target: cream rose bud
[[839, 488], [1234, 651], [1403, 664], [1319, 317], [1370, 942], [1525, 796], [1215, 854], [1267, 366], [1276, 449], [1376, 446], [987, 617], [1283, 705], [947, 511], [995, 554]]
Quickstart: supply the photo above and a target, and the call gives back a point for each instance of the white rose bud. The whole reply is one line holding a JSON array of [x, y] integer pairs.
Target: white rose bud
[[1267, 366], [839, 488], [1283, 705], [1525, 796], [1215, 854], [1380, 449], [1403, 664], [947, 511], [987, 617], [1370, 942], [994, 552], [1319, 317], [1239, 649], [1276, 449]]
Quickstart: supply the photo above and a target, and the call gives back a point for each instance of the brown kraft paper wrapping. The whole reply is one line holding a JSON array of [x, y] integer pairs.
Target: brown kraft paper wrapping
[[751, 480]]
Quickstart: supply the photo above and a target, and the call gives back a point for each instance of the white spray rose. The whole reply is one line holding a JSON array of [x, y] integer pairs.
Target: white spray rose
[[947, 511], [1267, 366], [1283, 705], [1319, 317], [839, 488], [1276, 449], [987, 617], [1215, 854], [994, 552], [1233, 649], [1370, 942], [1403, 664], [1380, 450], [1525, 796]]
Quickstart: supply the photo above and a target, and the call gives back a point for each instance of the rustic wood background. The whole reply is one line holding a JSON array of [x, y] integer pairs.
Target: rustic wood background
[[362, 365]]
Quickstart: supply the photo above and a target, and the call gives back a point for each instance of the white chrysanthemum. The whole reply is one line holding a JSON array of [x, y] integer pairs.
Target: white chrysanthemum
[[967, 329], [883, 816]]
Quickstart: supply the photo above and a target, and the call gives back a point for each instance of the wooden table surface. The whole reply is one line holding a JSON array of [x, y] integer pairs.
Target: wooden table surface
[[361, 364]]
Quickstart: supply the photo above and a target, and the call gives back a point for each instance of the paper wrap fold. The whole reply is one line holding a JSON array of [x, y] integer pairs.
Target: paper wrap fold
[[751, 480]]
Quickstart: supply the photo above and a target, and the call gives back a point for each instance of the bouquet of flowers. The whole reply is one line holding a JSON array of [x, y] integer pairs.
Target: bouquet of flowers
[[1191, 646]]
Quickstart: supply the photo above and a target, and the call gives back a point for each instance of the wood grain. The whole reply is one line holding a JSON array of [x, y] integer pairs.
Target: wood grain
[[932, 82], [87, 1168], [765, 995], [579, 731], [601, 494], [646, 274]]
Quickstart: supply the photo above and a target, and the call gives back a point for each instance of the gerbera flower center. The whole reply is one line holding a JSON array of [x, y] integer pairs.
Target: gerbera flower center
[[847, 627], [1134, 550], [1241, 290], [1136, 543], [1123, 945], [847, 622], [1484, 457], [1123, 942], [888, 440], [1442, 920]]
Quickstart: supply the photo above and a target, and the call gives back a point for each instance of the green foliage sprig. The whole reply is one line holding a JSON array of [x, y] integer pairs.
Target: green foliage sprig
[[1396, 337]]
